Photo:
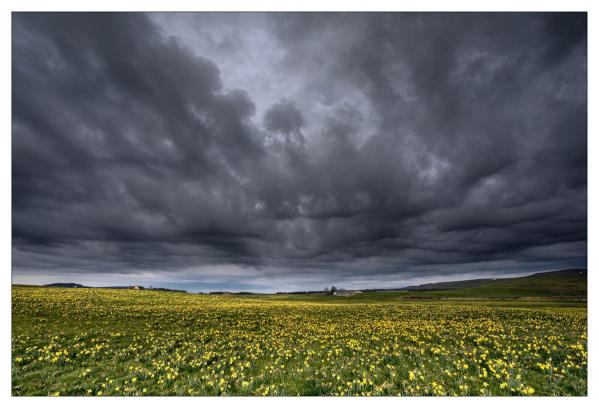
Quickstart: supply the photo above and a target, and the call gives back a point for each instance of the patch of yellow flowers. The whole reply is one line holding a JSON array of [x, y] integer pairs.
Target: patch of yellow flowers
[[122, 342]]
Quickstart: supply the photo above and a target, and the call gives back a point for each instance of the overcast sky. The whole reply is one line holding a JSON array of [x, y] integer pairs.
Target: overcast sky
[[283, 151]]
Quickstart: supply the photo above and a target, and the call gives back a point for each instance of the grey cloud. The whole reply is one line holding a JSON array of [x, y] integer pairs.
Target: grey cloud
[[283, 117], [385, 146]]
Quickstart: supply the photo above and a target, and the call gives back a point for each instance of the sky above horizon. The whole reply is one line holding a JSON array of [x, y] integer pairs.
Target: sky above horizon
[[293, 151]]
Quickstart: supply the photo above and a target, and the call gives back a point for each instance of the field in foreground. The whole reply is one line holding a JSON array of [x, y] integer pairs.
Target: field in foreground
[[126, 342]]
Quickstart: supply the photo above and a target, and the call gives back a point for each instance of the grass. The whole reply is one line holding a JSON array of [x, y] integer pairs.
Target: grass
[[126, 342]]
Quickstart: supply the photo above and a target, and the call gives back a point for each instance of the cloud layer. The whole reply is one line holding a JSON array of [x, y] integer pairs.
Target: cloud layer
[[290, 151]]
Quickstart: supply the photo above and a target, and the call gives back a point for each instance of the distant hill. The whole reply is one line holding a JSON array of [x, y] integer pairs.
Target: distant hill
[[564, 273], [77, 285], [65, 285], [563, 283], [471, 283], [569, 278]]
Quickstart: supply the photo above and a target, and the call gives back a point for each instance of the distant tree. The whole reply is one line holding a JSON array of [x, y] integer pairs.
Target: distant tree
[[333, 290], [326, 290]]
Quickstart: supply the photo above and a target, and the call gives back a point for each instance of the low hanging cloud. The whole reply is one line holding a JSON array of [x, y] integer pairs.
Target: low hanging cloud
[[414, 145]]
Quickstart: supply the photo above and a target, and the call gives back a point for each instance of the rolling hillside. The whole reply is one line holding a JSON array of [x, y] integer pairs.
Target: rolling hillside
[[565, 284], [568, 284]]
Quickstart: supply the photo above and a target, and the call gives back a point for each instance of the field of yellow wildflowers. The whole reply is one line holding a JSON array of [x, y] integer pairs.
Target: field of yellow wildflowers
[[124, 342]]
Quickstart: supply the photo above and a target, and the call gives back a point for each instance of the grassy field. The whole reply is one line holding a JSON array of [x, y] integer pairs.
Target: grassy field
[[126, 342]]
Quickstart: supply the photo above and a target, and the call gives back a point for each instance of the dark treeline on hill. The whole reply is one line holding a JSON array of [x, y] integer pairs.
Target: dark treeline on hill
[[65, 285], [168, 290], [301, 292]]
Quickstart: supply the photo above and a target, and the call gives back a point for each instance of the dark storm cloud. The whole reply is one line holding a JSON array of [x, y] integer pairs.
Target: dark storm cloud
[[283, 117], [413, 145]]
